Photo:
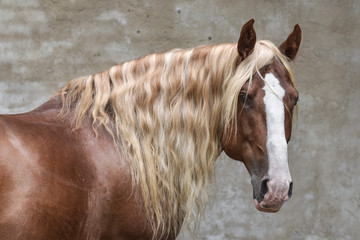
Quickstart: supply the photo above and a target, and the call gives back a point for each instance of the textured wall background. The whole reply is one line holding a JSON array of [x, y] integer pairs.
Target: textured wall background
[[45, 43]]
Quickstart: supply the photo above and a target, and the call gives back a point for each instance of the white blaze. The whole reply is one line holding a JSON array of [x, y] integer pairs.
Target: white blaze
[[276, 142]]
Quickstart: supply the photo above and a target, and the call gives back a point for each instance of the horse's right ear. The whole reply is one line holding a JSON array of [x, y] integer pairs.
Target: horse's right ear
[[247, 40]]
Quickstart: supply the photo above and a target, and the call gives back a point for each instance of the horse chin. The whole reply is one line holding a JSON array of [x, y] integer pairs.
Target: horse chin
[[261, 208]]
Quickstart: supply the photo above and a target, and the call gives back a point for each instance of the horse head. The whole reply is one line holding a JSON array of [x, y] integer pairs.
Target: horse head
[[260, 136]]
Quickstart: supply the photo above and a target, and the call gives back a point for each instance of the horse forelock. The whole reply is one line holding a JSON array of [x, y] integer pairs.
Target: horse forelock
[[166, 112], [263, 54]]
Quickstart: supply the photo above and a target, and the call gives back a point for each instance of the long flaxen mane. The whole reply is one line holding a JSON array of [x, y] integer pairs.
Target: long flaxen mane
[[166, 113]]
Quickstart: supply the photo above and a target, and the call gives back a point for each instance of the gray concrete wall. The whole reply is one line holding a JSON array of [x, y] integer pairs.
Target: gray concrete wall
[[45, 43]]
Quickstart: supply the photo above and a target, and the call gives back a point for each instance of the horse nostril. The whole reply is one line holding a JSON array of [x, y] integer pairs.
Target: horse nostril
[[263, 187], [290, 189]]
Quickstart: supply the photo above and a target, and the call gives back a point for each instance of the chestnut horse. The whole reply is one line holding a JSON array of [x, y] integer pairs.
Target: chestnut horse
[[128, 153]]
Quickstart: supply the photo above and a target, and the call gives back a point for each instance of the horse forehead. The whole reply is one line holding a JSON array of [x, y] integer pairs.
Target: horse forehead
[[278, 70], [254, 86], [273, 85]]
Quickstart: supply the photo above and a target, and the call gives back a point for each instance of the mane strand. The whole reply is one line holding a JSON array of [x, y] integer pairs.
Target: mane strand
[[166, 113]]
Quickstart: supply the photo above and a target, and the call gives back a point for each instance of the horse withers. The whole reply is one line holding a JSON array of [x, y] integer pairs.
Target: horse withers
[[128, 153]]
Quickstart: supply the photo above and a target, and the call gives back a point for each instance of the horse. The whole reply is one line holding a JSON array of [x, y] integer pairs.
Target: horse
[[129, 153]]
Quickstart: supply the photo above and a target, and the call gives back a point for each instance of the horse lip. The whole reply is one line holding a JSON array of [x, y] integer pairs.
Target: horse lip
[[262, 208]]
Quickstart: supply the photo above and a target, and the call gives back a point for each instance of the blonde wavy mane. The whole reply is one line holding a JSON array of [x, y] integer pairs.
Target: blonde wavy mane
[[167, 113]]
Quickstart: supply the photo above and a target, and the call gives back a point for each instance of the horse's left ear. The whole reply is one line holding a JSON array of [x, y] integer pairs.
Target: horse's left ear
[[291, 46]]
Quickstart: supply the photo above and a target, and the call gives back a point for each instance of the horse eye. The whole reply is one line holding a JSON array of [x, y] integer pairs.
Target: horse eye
[[243, 97], [296, 101]]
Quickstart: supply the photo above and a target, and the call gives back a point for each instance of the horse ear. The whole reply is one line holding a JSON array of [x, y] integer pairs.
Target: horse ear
[[247, 40], [291, 46]]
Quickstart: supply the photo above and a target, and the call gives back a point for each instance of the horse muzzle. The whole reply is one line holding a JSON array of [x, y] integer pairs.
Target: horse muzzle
[[270, 194]]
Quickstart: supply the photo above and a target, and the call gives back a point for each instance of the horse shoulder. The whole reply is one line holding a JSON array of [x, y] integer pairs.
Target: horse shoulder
[[64, 184]]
